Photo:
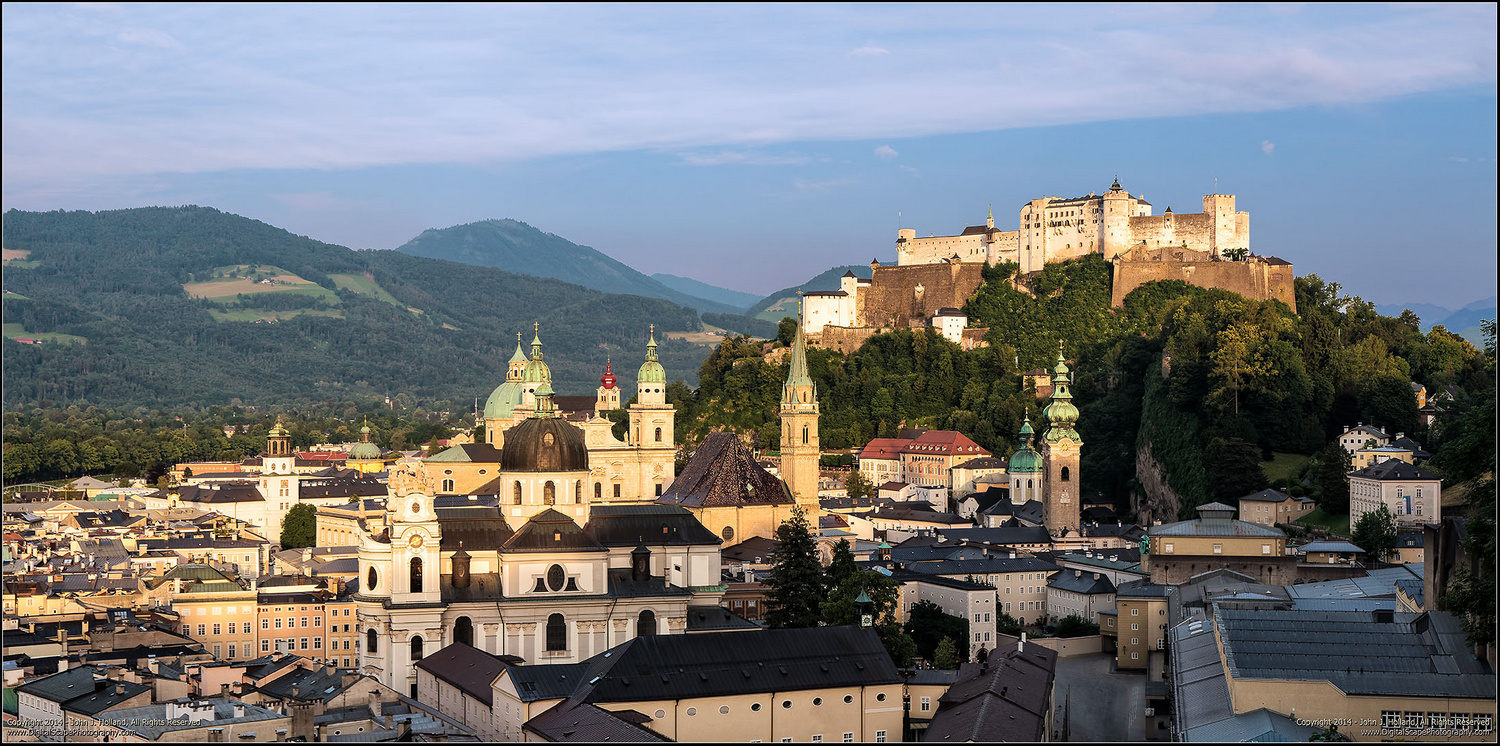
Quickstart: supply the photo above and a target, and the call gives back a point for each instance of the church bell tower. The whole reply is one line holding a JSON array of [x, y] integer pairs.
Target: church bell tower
[[799, 428], [1061, 445]]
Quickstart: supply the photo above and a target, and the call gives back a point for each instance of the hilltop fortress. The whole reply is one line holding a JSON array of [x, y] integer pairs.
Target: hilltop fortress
[[936, 275]]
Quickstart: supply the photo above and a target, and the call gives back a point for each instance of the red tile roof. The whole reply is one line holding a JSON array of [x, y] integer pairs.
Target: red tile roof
[[944, 442], [887, 448]]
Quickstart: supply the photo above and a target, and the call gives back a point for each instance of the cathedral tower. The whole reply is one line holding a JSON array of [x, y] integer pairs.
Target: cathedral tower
[[799, 429], [1060, 449], [609, 393], [651, 423]]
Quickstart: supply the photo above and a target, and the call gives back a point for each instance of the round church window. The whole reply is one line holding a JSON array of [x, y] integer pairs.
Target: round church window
[[556, 577], [548, 439], [728, 533]]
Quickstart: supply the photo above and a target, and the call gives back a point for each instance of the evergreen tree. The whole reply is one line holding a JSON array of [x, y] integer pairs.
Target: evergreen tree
[[1006, 624], [946, 656], [844, 581], [300, 527], [858, 487], [796, 580], [1233, 468], [1074, 625], [1375, 532], [1388, 401], [1332, 479]]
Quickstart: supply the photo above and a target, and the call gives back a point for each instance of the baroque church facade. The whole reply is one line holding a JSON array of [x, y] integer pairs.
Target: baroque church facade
[[574, 559]]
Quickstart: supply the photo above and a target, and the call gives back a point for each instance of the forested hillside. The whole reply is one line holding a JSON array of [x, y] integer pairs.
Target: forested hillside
[[513, 245], [363, 325], [1244, 380]]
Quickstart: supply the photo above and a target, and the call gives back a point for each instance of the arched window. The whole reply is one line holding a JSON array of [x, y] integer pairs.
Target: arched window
[[447, 485], [463, 630], [516, 492], [578, 493], [598, 491], [557, 633], [370, 641], [549, 494], [416, 574], [416, 648], [372, 580], [658, 435], [1065, 474], [804, 435], [645, 624], [1028, 484]]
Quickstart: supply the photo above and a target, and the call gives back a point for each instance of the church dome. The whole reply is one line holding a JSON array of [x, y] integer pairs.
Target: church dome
[[364, 450], [1025, 461], [502, 400], [608, 380], [544, 444], [651, 370]]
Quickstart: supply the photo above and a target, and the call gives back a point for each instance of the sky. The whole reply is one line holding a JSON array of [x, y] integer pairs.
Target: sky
[[752, 147]]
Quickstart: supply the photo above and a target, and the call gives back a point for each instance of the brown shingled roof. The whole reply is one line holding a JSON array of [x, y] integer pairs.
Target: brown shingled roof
[[722, 472]]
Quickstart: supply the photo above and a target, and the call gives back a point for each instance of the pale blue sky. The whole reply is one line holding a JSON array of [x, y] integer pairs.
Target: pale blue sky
[[754, 146]]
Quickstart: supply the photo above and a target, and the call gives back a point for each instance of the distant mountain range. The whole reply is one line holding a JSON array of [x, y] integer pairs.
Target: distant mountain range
[[189, 306], [713, 293], [517, 247], [1464, 321]]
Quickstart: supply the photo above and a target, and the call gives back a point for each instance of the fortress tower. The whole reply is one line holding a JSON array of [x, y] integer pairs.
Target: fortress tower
[[1060, 450], [799, 429]]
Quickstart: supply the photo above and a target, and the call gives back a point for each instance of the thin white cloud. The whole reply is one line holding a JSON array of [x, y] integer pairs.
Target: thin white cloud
[[90, 98], [1267, 147], [869, 51], [318, 201], [1458, 159], [742, 158], [823, 185], [886, 151]]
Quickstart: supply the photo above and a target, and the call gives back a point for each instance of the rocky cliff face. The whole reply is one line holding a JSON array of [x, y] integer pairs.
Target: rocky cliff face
[[1161, 502]]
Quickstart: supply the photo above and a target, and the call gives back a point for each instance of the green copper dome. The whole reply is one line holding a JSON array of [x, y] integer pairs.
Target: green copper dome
[[536, 371], [1061, 414], [364, 450], [1025, 460], [651, 370], [502, 400], [520, 356]]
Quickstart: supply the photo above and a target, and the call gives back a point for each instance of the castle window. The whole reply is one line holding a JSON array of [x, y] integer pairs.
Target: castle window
[[516, 492], [416, 574], [598, 491], [549, 494], [557, 633], [645, 624], [416, 648], [1065, 474], [658, 435], [371, 644]]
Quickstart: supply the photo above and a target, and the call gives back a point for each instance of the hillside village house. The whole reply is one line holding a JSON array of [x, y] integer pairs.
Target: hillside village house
[[1271, 507], [1411, 493], [1362, 436]]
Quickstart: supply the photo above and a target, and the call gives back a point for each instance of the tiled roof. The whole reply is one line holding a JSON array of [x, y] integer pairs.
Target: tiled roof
[[723, 473], [466, 667], [551, 531], [1395, 470], [1006, 698], [883, 448], [631, 525], [575, 720]]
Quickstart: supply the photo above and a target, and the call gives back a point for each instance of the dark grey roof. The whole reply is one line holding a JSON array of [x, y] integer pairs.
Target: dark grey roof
[[916, 514], [983, 462], [573, 720], [473, 527], [1410, 541], [466, 667], [1413, 588], [1143, 588], [83, 690], [716, 619], [1224, 527], [981, 566], [557, 681], [735, 663], [632, 525], [1331, 546], [1391, 654], [1268, 496], [551, 531], [998, 535], [1074, 581], [222, 492], [341, 487], [917, 577], [723, 472], [1394, 469], [1004, 699]]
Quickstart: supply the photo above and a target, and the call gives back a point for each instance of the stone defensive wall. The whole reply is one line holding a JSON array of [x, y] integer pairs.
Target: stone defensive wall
[[898, 296], [1256, 278]]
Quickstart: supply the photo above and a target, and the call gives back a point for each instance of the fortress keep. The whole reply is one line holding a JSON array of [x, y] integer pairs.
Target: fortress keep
[[1209, 249]]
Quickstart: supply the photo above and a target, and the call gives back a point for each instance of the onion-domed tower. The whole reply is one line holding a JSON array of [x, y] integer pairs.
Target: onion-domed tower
[[651, 423], [609, 392], [1025, 469], [499, 409], [1060, 449], [364, 457]]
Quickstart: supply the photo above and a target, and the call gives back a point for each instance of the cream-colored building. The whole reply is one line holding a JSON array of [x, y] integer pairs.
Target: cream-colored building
[[1362, 436], [1391, 675], [1272, 507], [819, 684], [1412, 494], [1053, 230], [960, 598], [215, 610]]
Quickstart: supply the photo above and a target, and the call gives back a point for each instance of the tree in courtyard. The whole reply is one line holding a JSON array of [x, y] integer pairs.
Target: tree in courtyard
[[796, 579], [1006, 624], [946, 655], [1074, 625], [300, 527], [929, 625], [1332, 479], [1375, 532], [844, 581], [857, 486]]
